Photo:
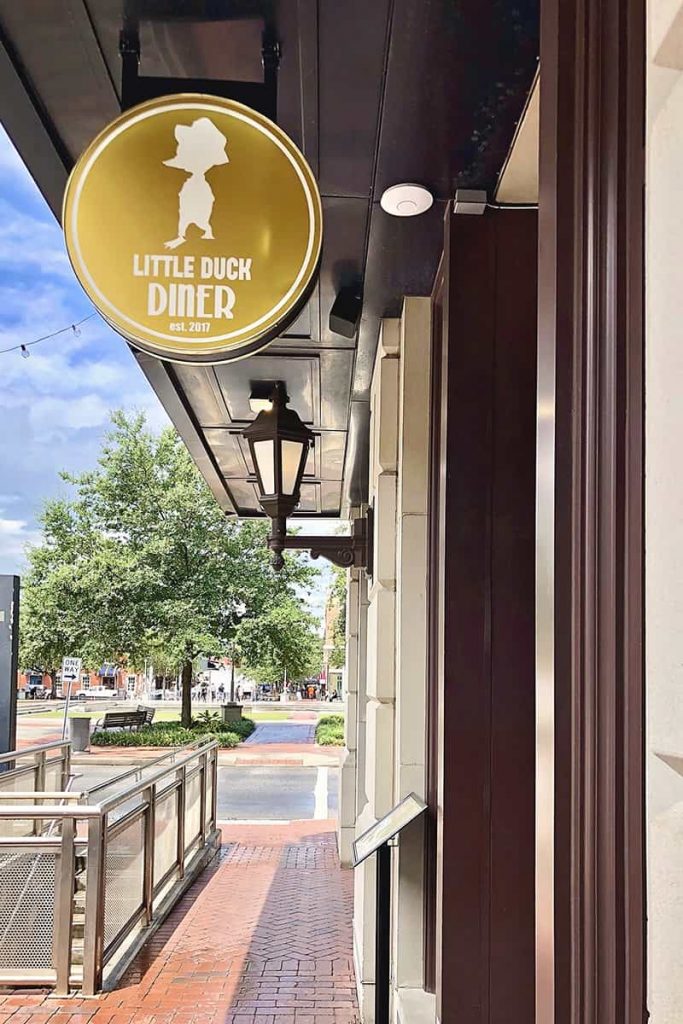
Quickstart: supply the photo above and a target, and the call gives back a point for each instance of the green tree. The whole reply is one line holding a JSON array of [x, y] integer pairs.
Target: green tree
[[283, 643], [337, 600], [144, 561]]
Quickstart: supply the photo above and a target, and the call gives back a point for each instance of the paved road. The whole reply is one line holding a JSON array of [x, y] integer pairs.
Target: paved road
[[282, 732], [255, 794], [277, 794]]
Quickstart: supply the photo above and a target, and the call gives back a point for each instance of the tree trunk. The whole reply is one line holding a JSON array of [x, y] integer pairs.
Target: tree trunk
[[186, 683], [53, 677]]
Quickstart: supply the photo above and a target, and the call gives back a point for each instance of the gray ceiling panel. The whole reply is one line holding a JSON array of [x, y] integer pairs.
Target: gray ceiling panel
[[244, 495], [330, 498], [336, 370], [203, 394], [352, 40], [332, 447], [62, 56], [228, 454], [300, 373], [310, 498], [346, 224]]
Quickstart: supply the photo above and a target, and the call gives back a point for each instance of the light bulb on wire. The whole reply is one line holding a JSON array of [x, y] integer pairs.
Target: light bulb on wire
[[76, 329], [25, 352]]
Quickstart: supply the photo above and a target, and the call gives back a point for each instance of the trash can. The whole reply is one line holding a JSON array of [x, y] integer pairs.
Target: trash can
[[79, 733], [231, 712]]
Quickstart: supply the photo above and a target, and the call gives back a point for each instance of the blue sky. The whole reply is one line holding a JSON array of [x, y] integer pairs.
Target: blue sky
[[54, 406]]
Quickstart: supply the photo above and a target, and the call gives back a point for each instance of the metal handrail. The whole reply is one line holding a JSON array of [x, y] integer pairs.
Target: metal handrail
[[31, 794], [192, 848], [47, 813], [152, 780], [94, 810], [14, 754], [193, 745]]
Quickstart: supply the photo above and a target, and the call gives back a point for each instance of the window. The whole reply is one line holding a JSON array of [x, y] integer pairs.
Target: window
[[85, 680]]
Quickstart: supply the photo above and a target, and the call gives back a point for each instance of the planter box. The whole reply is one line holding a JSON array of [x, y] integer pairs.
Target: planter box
[[231, 712]]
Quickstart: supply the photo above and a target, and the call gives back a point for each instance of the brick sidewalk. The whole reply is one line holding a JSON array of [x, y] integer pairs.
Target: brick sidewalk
[[263, 937]]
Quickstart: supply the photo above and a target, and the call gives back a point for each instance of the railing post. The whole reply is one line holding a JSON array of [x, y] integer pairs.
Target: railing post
[[40, 771], [39, 786], [93, 943], [66, 765], [214, 790], [148, 853], [63, 908], [203, 765], [181, 824]]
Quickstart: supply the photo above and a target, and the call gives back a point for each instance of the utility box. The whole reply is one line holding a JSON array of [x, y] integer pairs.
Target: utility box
[[9, 662], [231, 712]]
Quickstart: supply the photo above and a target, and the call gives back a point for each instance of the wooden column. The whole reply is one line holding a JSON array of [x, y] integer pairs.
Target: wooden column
[[482, 609], [589, 884]]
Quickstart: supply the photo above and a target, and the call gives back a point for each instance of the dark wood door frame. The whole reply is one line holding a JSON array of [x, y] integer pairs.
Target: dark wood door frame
[[590, 792]]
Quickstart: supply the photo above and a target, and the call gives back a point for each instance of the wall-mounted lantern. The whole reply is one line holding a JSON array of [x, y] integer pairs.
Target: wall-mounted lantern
[[279, 443]]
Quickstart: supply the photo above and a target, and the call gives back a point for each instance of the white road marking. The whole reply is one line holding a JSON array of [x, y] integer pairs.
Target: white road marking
[[321, 813]]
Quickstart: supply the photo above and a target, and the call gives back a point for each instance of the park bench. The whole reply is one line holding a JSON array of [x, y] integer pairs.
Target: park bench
[[148, 713], [124, 719]]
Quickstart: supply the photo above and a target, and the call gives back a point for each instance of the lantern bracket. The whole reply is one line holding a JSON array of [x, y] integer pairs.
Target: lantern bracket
[[348, 552], [136, 88]]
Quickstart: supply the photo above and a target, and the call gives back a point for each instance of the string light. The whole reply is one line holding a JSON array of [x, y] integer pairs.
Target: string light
[[75, 329]]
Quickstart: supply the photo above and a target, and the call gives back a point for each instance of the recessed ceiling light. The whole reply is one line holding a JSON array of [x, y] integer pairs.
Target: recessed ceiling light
[[407, 200]]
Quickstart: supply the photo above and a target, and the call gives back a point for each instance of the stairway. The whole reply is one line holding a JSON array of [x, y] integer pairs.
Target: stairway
[[78, 929]]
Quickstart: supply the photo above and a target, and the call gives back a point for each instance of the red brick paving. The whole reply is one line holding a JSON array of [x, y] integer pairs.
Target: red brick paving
[[264, 937]]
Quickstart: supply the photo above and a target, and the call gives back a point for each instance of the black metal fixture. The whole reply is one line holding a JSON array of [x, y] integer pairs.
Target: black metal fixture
[[279, 443], [136, 88], [346, 311]]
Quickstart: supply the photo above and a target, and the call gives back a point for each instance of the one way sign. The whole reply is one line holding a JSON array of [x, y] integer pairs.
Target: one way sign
[[71, 670]]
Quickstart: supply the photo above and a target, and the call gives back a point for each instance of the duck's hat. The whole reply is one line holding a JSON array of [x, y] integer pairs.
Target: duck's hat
[[202, 135]]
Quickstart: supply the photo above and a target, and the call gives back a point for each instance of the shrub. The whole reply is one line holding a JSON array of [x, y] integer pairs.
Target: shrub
[[243, 728], [173, 734], [329, 731], [226, 740]]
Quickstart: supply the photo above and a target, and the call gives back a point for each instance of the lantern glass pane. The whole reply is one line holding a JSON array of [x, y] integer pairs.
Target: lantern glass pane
[[264, 454], [291, 460]]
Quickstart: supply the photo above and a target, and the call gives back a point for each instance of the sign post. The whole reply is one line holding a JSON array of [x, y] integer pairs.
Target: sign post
[[71, 671], [379, 839], [9, 658]]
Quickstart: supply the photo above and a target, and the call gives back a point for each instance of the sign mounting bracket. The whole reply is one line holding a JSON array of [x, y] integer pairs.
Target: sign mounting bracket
[[137, 88]]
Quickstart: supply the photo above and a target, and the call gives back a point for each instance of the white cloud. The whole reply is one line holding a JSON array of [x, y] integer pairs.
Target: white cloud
[[31, 242], [55, 405], [15, 536]]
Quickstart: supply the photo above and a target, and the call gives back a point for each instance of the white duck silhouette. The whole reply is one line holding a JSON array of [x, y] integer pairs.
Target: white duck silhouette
[[201, 146]]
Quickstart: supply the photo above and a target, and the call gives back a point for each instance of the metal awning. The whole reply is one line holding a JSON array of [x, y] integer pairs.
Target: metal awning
[[373, 93]]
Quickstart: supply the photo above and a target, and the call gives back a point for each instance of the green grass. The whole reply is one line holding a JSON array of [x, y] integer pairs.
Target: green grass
[[329, 731]]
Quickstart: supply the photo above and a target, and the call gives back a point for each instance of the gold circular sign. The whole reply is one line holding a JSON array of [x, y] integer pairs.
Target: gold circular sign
[[195, 226]]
